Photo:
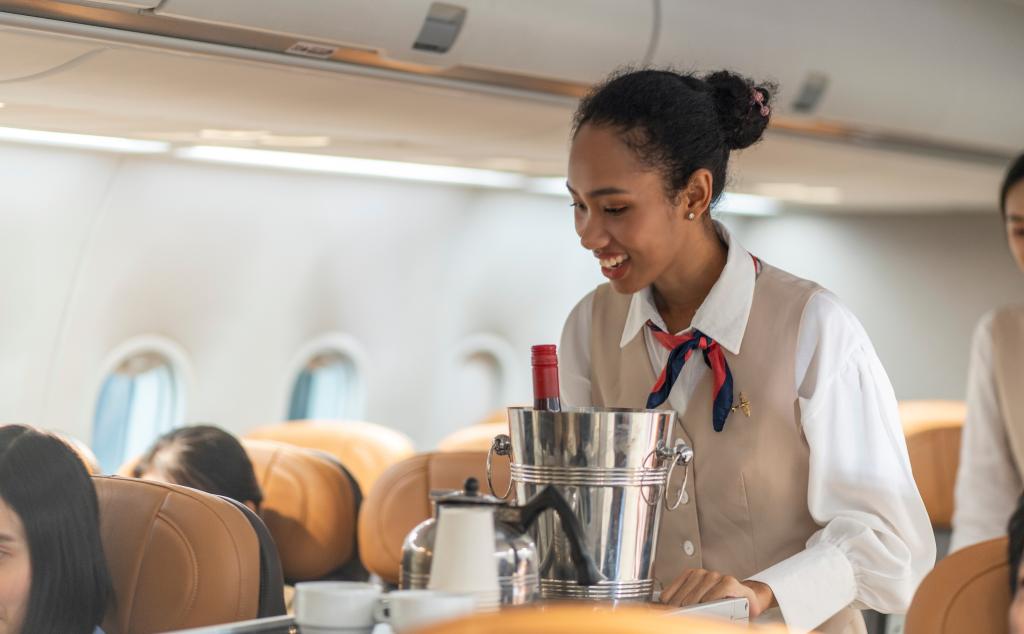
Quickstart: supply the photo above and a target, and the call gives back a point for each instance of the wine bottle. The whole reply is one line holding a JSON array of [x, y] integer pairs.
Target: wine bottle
[[544, 359]]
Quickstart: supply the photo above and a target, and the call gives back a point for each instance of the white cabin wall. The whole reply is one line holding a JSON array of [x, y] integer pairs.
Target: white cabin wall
[[49, 201], [243, 267], [918, 283]]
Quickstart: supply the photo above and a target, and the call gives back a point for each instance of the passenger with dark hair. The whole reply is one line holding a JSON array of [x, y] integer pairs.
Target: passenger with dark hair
[[801, 495], [991, 472], [53, 573], [1015, 553], [206, 458]]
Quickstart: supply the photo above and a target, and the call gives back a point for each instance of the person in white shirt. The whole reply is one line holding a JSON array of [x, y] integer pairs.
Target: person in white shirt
[[989, 478], [801, 497]]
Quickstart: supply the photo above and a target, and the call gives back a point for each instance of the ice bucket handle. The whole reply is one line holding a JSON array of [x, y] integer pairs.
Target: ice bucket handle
[[501, 446], [681, 454]]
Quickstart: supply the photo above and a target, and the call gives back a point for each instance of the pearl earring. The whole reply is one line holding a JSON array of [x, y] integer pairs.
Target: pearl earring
[[691, 216]]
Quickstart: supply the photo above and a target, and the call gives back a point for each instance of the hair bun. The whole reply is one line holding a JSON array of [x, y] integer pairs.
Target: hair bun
[[742, 107]]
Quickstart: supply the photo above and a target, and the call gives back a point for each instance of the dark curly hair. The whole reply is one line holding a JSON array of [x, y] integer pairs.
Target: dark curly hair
[[1014, 175], [678, 123]]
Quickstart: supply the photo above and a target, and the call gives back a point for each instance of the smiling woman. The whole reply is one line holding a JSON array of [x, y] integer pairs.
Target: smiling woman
[[53, 574]]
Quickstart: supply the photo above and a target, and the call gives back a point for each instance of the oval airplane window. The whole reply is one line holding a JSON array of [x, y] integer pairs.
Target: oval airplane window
[[141, 398], [479, 384], [326, 388]]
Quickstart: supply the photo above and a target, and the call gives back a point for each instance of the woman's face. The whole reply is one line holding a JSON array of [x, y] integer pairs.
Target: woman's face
[[15, 571], [622, 213], [1015, 222]]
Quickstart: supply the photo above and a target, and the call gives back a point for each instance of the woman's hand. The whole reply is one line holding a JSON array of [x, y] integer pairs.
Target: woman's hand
[[701, 586]]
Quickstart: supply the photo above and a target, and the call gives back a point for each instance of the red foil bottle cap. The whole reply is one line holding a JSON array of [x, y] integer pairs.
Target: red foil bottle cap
[[544, 355]]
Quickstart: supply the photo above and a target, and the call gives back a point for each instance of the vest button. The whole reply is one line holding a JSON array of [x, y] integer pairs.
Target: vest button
[[688, 548]]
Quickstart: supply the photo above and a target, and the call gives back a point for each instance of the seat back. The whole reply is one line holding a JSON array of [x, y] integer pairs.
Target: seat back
[[310, 504], [180, 558], [569, 618], [400, 500], [366, 449], [477, 437], [934, 458], [932, 430], [968, 591]]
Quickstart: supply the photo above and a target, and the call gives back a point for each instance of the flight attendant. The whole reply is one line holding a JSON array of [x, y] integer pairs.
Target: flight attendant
[[800, 496], [989, 479]]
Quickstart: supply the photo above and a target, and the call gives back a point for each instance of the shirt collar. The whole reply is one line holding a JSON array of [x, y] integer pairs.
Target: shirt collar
[[724, 312]]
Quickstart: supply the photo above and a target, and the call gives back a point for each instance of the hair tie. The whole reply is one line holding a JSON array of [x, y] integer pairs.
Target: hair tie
[[757, 99]]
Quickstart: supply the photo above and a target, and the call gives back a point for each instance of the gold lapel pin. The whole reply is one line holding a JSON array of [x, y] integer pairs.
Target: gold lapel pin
[[744, 406]]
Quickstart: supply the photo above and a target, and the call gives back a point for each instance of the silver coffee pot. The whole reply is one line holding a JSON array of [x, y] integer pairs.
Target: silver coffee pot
[[454, 545]]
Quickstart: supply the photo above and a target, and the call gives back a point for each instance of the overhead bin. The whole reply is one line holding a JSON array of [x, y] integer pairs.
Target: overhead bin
[[939, 69], [118, 4], [572, 40]]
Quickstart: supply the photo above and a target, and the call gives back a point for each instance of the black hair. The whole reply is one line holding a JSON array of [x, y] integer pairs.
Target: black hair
[[1015, 530], [45, 483], [1014, 175], [678, 123], [203, 457]]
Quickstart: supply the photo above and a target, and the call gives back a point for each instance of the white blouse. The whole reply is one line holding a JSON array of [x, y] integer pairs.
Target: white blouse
[[987, 481], [876, 541]]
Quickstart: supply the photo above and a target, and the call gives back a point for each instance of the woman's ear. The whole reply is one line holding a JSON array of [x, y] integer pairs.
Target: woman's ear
[[695, 198]]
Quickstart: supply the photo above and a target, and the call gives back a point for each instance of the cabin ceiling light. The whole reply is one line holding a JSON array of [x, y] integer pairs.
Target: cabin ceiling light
[[747, 205], [800, 193], [354, 166], [83, 141]]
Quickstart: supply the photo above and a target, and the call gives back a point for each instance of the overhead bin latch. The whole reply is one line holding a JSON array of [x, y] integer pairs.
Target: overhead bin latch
[[441, 27]]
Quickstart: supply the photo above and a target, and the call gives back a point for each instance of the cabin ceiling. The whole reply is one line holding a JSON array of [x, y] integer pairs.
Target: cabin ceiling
[[60, 82]]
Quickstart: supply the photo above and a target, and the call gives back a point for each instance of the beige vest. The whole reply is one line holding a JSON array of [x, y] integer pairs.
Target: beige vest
[[746, 496], [1008, 362]]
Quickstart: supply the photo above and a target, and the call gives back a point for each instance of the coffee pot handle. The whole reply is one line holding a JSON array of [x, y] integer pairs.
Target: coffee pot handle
[[587, 573]]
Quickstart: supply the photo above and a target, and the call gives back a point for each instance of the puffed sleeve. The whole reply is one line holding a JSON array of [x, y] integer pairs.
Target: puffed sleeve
[[876, 541], [987, 482]]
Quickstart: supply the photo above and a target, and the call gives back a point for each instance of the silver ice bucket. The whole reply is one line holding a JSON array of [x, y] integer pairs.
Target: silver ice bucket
[[613, 467]]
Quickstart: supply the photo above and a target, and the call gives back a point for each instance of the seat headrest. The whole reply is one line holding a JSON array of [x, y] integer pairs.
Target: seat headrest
[[400, 500], [478, 437], [179, 558], [310, 506], [934, 458], [968, 591], [366, 449], [924, 414]]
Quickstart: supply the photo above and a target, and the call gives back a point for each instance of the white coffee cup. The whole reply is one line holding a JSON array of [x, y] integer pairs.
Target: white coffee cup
[[406, 610], [335, 607]]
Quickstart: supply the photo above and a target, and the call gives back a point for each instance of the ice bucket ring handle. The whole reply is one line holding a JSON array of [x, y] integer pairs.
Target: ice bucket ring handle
[[502, 446], [681, 454]]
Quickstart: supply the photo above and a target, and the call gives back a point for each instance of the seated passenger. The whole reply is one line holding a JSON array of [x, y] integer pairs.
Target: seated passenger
[[206, 458], [989, 478], [53, 574]]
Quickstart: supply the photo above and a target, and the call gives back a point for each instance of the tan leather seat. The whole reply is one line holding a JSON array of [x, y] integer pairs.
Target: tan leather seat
[[590, 619], [928, 414], [366, 449], [310, 504], [968, 591], [478, 437], [181, 558], [932, 430], [401, 499]]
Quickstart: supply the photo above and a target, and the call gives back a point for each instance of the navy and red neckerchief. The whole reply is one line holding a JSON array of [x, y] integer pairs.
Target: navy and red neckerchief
[[682, 348]]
